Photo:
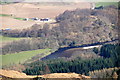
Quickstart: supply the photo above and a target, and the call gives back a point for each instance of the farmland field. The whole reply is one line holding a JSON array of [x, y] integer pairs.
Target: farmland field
[[106, 4], [27, 10], [5, 15], [6, 39], [21, 57]]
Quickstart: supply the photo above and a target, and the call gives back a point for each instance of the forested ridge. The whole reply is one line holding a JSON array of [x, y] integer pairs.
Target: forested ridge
[[78, 65], [72, 28]]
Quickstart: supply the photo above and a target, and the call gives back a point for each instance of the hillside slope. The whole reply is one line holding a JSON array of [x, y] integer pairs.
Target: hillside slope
[[77, 27], [16, 74], [32, 10]]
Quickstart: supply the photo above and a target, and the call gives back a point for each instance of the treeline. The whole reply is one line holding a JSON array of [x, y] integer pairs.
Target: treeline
[[76, 65], [106, 73]]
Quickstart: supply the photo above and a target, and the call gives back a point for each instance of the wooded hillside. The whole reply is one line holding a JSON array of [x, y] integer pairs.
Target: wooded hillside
[[81, 26]]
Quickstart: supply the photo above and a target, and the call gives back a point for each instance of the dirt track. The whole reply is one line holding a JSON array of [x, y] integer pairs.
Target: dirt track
[[26, 10]]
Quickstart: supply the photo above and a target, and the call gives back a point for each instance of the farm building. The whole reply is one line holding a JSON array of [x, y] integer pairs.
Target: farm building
[[34, 18], [47, 20], [44, 19], [6, 29], [92, 5], [100, 7], [26, 19]]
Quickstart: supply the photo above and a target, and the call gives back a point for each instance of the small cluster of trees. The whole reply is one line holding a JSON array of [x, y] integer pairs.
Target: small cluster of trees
[[105, 73]]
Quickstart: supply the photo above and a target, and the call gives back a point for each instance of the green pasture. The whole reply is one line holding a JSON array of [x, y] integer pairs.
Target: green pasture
[[106, 4], [7, 39], [21, 57], [6, 15], [19, 18]]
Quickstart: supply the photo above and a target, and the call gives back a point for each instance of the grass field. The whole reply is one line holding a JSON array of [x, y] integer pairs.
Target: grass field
[[21, 57], [19, 18], [106, 4], [4, 15], [5, 40], [8, 39]]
